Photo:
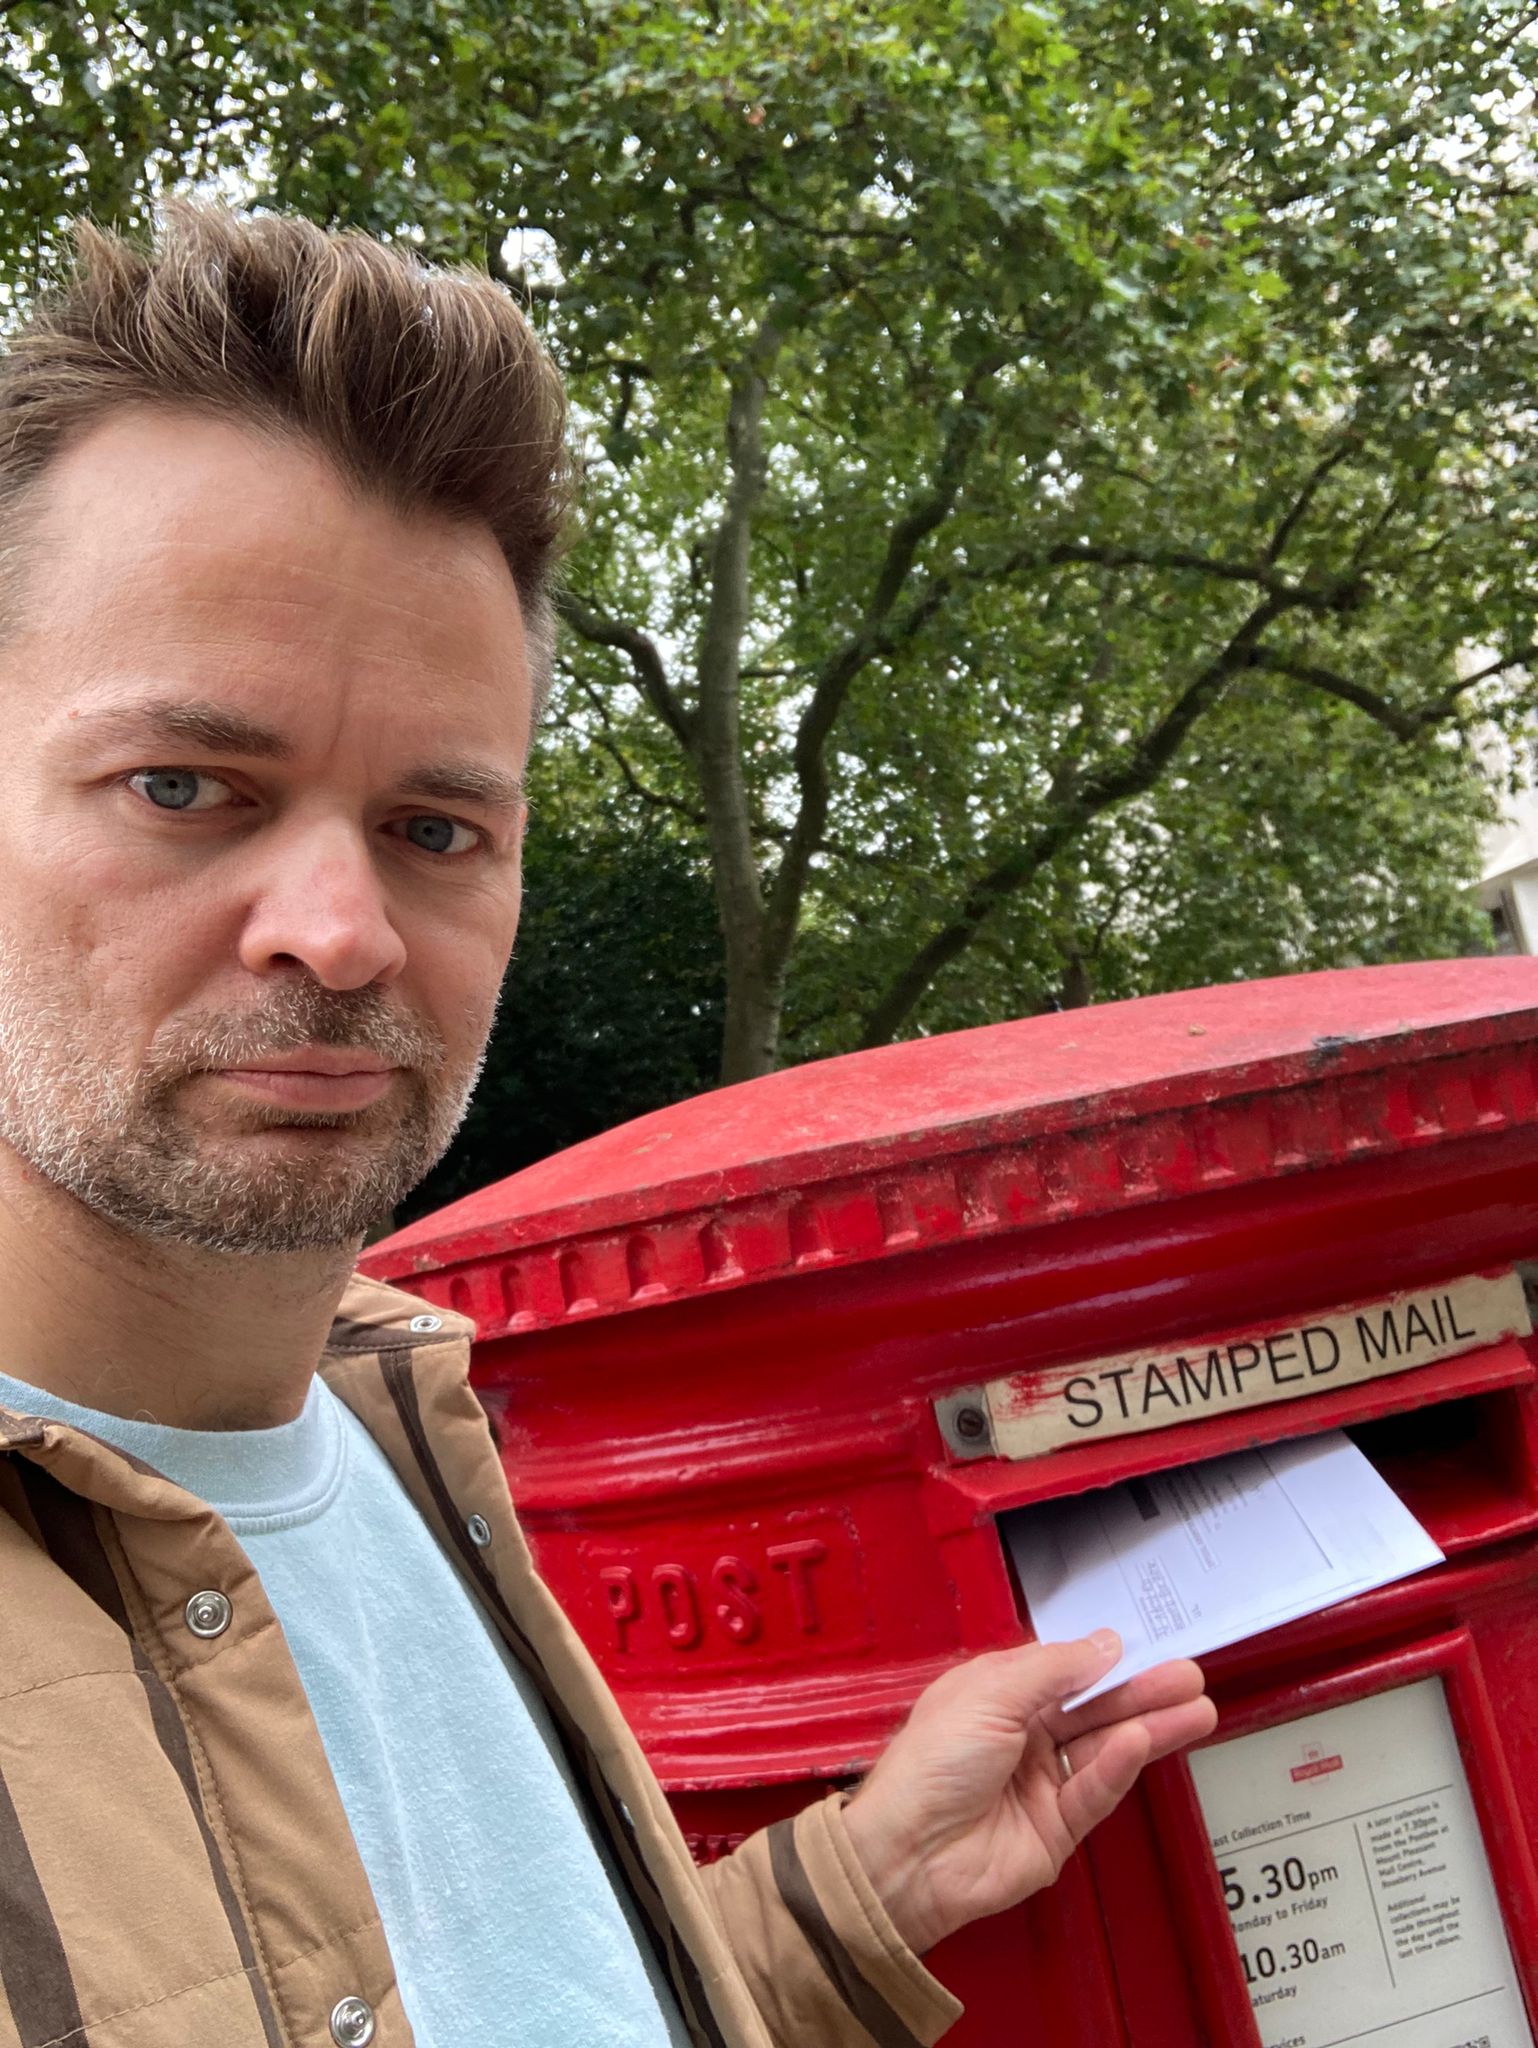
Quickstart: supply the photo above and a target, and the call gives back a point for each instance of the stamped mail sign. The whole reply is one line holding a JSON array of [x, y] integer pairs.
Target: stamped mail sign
[[1073, 1404]]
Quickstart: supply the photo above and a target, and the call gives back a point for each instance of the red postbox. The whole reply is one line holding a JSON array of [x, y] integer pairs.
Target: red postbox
[[770, 1366]]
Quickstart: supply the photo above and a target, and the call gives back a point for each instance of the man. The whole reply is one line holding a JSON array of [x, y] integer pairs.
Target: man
[[294, 1747]]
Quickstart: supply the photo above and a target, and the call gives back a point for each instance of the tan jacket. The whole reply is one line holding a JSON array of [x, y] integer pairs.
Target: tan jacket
[[175, 1864]]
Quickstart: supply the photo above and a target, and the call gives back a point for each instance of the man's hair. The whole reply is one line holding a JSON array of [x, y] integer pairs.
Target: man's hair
[[423, 386]]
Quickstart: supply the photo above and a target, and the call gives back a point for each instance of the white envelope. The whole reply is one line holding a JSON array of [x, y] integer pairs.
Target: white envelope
[[1185, 1561]]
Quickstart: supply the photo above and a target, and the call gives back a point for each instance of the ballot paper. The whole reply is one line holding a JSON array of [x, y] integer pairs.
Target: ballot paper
[[1185, 1561]]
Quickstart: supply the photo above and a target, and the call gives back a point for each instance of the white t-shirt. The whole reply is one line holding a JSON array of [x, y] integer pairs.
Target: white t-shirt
[[505, 1923]]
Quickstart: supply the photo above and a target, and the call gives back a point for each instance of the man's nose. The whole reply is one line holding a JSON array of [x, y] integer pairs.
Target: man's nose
[[321, 906]]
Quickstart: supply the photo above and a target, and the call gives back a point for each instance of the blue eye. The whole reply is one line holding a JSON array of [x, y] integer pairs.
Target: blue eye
[[180, 789], [438, 835]]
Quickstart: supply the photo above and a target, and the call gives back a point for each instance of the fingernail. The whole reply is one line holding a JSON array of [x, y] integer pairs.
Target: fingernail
[[1107, 1640]]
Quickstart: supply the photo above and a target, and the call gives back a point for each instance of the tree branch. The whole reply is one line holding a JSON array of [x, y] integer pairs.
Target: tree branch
[[629, 374], [894, 238], [1523, 657], [1098, 793], [1090, 796], [924, 513], [1403, 724], [1083, 799], [604, 738], [1335, 594], [645, 659], [660, 800], [1313, 483], [878, 635]]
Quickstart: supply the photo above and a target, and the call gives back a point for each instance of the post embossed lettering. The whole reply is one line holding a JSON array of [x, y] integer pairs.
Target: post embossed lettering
[[796, 1561], [680, 1604], [624, 1598], [735, 1583]]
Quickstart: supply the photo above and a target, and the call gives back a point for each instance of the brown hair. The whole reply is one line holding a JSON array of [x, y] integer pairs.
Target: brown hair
[[424, 386]]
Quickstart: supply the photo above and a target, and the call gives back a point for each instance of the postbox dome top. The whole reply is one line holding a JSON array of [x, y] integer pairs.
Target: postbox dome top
[[874, 1119]]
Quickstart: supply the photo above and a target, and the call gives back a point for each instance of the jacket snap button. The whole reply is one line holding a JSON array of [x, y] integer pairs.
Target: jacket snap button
[[425, 1323], [208, 1614], [352, 2023], [479, 1531]]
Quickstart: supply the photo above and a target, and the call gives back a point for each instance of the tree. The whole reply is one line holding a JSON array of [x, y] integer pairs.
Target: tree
[[1011, 430], [1237, 864], [613, 1005]]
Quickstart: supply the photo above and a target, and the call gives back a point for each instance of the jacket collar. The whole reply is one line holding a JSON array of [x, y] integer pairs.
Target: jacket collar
[[372, 1320], [373, 1316]]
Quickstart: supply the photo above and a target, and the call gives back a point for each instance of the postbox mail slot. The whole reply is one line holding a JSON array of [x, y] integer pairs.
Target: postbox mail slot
[[1465, 1466], [992, 1486]]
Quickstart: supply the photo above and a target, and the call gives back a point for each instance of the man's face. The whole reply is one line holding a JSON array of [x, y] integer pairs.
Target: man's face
[[259, 866]]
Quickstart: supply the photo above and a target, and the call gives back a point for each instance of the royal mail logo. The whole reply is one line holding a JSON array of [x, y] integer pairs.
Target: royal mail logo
[[1315, 1764]]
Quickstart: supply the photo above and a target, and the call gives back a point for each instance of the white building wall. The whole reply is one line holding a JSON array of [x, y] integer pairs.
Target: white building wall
[[1509, 886]]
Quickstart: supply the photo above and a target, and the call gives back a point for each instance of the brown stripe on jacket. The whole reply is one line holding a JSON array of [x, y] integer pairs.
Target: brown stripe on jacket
[[805, 1908], [676, 1962], [67, 1525], [34, 1968], [803, 1863]]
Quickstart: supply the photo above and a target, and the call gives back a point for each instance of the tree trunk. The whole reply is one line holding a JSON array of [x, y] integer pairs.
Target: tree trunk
[[754, 991], [750, 1041]]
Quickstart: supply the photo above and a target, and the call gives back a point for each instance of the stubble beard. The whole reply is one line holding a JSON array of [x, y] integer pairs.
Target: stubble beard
[[123, 1143]]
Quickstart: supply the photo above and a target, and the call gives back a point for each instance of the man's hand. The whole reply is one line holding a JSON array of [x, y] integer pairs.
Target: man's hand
[[969, 1809]]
